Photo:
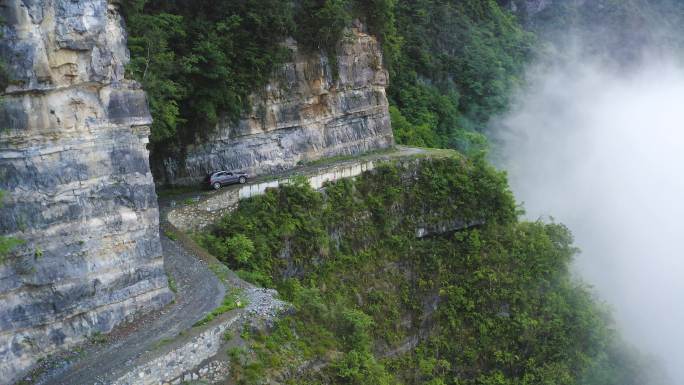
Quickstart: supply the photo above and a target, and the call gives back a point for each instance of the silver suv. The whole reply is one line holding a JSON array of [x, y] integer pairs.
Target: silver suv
[[218, 179]]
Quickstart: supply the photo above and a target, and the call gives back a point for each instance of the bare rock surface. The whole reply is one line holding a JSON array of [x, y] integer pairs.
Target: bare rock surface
[[79, 191], [199, 292]]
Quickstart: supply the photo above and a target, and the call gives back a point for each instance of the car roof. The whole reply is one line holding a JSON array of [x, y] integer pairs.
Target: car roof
[[228, 172]]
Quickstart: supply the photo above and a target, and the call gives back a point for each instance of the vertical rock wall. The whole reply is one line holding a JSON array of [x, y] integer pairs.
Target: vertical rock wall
[[79, 191], [305, 113]]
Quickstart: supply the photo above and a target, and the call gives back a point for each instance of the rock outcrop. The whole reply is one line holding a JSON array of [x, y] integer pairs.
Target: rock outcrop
[[79, 191], [307, 112]]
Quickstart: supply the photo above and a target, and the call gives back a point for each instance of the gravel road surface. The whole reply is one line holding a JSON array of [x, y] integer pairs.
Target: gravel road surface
[[199, 292]]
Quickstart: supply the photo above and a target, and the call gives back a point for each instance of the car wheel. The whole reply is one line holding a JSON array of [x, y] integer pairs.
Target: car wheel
[[243, 180], [217, 186]]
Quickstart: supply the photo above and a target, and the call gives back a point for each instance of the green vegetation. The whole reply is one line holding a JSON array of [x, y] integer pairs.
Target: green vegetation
[[199, 60], [7, 244], [98, 338], [221, 271], [452, 63], [231, 301], [455, 66], [162, 342], [489, 304], [172, 283], [171, 235]]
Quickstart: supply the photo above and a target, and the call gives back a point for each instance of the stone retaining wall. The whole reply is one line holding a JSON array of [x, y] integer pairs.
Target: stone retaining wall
[[184, 363], [208, 210], [194, 358]]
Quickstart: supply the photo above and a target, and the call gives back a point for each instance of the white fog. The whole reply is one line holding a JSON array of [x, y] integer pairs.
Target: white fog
[[602, 151]]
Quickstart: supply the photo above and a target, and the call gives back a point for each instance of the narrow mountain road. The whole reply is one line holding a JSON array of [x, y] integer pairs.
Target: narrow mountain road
[[199, 292]]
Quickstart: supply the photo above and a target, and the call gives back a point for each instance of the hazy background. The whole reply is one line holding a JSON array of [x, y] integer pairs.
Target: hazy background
[[600, 146]]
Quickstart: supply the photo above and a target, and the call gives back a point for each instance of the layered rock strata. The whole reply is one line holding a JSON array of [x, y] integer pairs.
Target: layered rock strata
[[78, 187], [307, 112]]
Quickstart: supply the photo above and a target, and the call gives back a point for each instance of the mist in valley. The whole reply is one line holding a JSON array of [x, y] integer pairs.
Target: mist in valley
[[599, 146]]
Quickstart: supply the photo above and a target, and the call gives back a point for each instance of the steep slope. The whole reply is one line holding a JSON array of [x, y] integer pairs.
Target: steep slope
[[481, 298], [79, 190]]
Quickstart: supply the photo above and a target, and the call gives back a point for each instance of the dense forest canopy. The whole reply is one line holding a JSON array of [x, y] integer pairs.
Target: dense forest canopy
[[452, 63], [493, 304], [456, 66]]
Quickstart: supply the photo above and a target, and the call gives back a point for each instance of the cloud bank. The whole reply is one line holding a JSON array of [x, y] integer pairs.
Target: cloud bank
[[601, 149]]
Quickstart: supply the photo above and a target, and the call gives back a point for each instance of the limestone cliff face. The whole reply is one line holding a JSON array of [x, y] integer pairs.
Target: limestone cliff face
[[79, 190], [304, 113]]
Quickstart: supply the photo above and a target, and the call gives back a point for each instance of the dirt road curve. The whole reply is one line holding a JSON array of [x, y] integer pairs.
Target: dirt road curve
[[199, 291]]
